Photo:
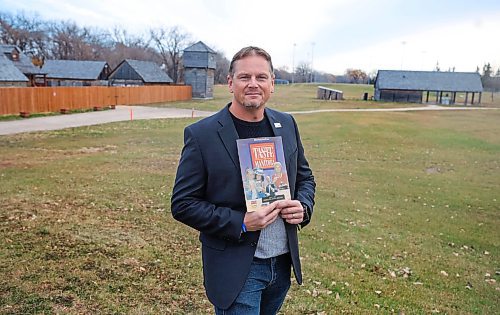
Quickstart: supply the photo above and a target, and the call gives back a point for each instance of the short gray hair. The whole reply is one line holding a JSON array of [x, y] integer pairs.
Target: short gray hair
[[251, 51]]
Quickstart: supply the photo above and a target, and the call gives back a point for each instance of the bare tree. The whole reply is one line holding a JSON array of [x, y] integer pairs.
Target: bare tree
[[127, 46], [170, 42], [356, 75], [42, 39], [67, 40], [282, 73], [303, 72], [26, 32], [324, 77], [221, 68]]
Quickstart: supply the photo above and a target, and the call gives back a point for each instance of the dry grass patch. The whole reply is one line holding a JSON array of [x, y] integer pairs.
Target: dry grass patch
[[85, 223]]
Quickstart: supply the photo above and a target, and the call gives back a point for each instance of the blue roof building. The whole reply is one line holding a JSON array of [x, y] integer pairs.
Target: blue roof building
[[409, 86]]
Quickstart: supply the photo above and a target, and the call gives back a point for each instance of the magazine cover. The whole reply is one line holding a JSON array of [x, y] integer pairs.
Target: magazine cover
[[263, 171]]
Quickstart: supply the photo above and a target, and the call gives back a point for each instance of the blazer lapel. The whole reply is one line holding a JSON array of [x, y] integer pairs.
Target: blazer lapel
[[275, 124], [280, 130], [229, 135]]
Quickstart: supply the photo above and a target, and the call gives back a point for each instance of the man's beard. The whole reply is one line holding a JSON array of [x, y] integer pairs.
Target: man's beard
[[252, 105]]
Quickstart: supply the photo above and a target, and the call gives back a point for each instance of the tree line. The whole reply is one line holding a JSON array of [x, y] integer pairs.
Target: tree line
[[490, 79], [303, 73], [65, 40]]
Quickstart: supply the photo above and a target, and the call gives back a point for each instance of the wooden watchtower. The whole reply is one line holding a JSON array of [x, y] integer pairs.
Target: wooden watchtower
[[199, 69]]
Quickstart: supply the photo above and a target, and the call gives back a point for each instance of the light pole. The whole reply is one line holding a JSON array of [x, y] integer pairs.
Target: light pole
[[403, 53], [293, 63], [312, 61]]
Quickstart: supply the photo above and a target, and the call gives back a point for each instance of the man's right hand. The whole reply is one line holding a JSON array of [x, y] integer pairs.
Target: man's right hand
[[257, 220]]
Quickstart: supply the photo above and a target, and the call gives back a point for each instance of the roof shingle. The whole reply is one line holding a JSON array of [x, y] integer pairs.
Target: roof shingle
[[149, 71], [9, 72], [429, 81], [200, 47], [73, 69], [23, 64]]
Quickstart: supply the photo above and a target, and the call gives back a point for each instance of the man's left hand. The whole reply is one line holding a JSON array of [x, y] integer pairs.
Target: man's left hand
[[291, 211]]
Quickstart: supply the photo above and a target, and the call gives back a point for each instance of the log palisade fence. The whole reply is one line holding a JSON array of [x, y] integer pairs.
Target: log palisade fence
[[54, 99]]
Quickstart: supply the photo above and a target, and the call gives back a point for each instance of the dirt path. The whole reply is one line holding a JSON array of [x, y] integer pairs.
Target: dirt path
[[122, 113]]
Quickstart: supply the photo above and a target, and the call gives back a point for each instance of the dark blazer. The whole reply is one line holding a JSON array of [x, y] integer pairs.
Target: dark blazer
[[208, 196]]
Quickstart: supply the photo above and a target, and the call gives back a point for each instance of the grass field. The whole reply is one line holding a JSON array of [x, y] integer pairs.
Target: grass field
[[296, 97], [303, 97], [406, 219]]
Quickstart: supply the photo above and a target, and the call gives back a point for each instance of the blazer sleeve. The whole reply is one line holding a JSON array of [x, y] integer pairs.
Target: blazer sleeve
[[305, 186], [189, 204]]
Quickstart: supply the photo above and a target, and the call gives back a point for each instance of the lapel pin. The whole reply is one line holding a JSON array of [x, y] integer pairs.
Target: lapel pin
[[277, 125]]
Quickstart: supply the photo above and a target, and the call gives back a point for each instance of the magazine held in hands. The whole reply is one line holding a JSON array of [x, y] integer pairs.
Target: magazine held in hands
[[263, 171]]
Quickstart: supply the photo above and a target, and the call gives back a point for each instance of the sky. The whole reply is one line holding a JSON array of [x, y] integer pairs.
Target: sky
[[332, 35]]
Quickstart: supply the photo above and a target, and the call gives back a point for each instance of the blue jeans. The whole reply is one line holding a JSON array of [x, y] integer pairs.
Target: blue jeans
[[265, 288]]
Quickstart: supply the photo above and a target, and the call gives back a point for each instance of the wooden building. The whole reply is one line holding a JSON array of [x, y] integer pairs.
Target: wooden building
[[76, 72], [416, 86], [199, 69], [11, 55], [10, 76], [135, 72], [325, 93]]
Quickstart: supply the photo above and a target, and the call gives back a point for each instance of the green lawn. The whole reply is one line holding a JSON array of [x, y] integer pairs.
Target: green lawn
[[406, 220], [303, 97], [295, 97]]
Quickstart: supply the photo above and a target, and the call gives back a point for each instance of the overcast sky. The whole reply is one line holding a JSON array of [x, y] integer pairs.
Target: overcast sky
[[333, 35]]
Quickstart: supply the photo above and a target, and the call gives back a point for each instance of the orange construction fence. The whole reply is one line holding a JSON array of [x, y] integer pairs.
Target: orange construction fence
[[53, 99]]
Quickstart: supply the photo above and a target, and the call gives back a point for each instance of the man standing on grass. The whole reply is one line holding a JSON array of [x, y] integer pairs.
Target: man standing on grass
[[247, 256]]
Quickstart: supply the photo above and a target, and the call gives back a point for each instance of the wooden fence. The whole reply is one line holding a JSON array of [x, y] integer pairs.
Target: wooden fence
[[53, 99]]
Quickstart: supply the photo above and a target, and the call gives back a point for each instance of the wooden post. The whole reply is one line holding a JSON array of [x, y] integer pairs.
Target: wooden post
[[454, 97], [427, 99], [473, 94], [437, 97], [440, 97], [466, 98], [480, 94]]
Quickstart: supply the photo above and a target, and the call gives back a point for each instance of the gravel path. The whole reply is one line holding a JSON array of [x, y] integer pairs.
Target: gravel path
[[122, 113]]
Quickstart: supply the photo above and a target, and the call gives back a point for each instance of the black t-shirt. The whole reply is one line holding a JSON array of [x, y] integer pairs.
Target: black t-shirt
[[258, 129]]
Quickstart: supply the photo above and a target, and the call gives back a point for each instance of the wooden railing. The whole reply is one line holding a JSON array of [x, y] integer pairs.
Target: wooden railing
[[53, 99]]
